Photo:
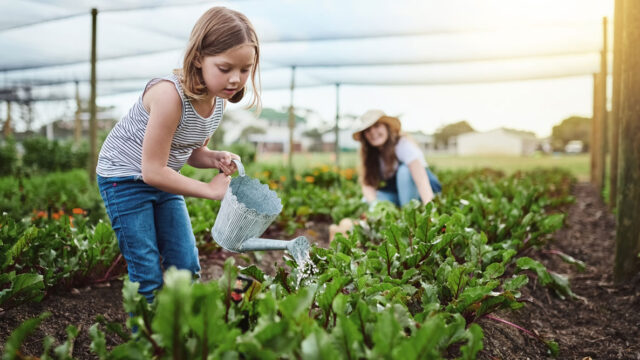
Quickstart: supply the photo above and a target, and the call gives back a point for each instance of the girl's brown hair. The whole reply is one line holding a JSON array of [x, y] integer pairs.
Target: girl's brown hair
[[370, 159], [218, 30]]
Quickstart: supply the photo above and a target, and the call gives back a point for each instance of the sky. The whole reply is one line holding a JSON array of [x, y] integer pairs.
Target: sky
[[483, 61]]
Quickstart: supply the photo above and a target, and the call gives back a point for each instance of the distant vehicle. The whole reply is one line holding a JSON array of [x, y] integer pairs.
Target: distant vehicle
[[574, 147]]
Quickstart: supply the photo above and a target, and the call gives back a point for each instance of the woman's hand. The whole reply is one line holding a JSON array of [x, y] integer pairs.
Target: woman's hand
[[222, 160]]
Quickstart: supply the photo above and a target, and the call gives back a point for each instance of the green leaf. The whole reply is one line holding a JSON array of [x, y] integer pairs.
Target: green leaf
[[553, 347], [552, 223], [386, 333], [580, 265], [98, 342], [294, 305], [25, 287], [515, 283], [17, 337], [65, 350], [254, 272], [493, 271], [319, 346], [170, 321]]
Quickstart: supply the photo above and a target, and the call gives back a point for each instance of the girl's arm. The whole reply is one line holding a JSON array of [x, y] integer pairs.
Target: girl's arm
[[165, 108], [421, 179], [204, 158]]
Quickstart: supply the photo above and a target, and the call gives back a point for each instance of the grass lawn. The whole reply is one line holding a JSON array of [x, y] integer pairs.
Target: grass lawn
[[577, 164]]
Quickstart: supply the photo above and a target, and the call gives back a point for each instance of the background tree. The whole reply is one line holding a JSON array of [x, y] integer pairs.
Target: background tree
[[571, 128], [248, 131], [443, 134], [316, 137]]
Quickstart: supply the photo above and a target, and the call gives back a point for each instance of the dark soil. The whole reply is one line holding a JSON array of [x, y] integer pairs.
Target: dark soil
[[603, 324]]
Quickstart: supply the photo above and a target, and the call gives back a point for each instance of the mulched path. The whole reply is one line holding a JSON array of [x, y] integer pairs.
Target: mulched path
[[605, 325]]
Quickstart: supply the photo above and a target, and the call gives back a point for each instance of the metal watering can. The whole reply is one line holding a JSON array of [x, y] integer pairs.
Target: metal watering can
[[246, 211]]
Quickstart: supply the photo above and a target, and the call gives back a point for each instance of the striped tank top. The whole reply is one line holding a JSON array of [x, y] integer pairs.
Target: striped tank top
[[121, 153]]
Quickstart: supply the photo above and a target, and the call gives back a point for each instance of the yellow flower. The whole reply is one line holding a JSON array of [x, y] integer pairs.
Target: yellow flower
[[273, 185], [324, 168], [298, 177], [309, 179], [283, 178]]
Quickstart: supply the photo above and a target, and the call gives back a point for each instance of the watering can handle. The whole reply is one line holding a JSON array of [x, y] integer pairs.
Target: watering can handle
[[239, 166]]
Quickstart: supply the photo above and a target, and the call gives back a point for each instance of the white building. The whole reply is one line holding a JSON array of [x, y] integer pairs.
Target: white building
[[496, 142]]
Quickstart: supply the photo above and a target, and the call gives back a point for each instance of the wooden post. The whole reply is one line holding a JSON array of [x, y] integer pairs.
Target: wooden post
[[593, 147], [602, 121], [602, 154], [6, 129], [292, 124], [337, 130], [77, 130], [615, 102], [93, 132], [627, 263]]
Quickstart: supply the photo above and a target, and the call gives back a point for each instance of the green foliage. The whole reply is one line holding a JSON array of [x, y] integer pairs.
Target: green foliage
[[571, 128], [18, 336], [43, 155], [406, 283], [8, 157], [48, 254]]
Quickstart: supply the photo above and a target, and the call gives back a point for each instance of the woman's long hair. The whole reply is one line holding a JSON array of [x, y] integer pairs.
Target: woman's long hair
[[370, 159]]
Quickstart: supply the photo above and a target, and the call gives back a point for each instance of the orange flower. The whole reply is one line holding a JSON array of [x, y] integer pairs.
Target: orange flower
[[77, 211], [309, 179], [298, 177], [283, 178], [56, 216], [273, 185]]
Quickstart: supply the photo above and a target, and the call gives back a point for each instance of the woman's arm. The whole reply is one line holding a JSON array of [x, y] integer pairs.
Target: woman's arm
[[165, 108], [421, 179], [369, 193]]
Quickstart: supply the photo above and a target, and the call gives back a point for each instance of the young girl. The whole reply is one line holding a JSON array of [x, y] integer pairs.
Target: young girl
[[170, 125], [390, 157]]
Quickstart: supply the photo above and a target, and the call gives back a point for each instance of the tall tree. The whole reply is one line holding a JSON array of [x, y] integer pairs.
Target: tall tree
[[571, 128], [446, 132], [627, 263]]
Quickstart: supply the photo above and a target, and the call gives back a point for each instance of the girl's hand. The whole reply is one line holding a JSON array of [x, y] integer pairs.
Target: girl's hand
[[219, 185], [222, 161]]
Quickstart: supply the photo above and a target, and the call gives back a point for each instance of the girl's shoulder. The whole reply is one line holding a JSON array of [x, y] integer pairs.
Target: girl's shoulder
[[162, 92]]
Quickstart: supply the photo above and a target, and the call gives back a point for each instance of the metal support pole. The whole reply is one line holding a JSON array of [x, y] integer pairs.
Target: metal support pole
[[337, 129], [292, 124], [93, 133], [77, 131], [7, 124], [593, 146]]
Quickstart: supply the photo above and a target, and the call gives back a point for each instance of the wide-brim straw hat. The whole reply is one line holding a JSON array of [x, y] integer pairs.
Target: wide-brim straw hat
[[371, 117]]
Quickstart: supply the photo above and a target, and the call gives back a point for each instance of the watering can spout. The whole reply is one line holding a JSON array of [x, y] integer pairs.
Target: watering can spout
[[298, 247]]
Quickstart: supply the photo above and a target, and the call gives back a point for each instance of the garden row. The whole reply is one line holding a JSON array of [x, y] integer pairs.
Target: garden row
[[405, 283]]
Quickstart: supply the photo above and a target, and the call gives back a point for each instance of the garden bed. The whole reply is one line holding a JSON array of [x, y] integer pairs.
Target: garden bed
[[605, 325]]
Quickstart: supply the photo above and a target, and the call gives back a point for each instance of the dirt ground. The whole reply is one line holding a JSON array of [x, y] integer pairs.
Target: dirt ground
[[605, 324]]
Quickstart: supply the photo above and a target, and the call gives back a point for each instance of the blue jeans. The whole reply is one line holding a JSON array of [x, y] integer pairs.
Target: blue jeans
[[407, 189], [150, 225]]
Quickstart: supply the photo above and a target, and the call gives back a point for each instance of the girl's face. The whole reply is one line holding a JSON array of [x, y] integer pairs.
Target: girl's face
[[225, 74], [377, 134]]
